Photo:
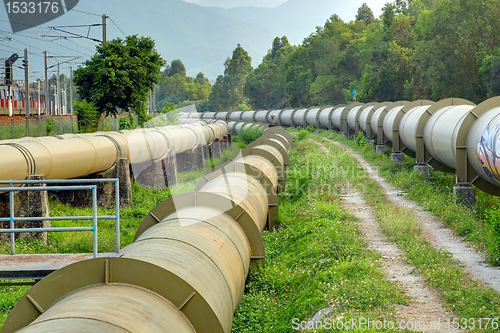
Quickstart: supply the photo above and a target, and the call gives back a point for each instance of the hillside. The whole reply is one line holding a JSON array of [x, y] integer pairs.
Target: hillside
[[202, 37]]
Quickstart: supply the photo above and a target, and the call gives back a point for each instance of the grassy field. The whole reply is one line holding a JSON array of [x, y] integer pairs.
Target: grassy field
[[467, 297]]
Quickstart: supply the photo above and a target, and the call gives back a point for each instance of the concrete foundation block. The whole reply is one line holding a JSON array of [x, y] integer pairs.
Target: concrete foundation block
[[158, 174], [215, 149], [466, 194], [105, 191], [424, 169], [398, 158], [191, 160], [380, 149]]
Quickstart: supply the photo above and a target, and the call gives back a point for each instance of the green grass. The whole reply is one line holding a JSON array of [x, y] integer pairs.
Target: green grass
[[315, 258], [467, 297], [435, 194]]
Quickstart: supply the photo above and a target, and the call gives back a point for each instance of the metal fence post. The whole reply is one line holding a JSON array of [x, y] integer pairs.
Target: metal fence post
[[27, 127], [62, 125], [12, 136], [94, 212], [12, 235], [117, 212]]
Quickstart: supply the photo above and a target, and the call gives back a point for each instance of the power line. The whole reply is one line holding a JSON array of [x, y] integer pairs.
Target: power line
[[117, 26], [6, 32], [76, 10]]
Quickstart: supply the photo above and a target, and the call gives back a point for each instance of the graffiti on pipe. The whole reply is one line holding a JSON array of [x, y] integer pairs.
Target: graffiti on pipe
[[489, 151]]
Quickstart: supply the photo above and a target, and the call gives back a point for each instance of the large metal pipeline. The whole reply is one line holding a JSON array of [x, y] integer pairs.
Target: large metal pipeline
[[452, 135], [77, 155], [185, 270]]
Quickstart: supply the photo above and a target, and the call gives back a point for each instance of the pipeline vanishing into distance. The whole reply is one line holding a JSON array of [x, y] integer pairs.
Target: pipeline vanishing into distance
[[453, 135], [76, 155], [185, 270]]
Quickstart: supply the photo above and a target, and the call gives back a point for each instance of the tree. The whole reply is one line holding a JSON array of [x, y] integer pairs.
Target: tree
[[228, 89], [176, 67], [120, 75], [365, 14], [262, 86]]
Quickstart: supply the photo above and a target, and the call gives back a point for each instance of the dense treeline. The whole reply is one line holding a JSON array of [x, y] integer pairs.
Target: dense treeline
[[417, 49], [179, 89]]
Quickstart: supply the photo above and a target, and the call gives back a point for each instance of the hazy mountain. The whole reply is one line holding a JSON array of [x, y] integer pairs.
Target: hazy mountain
[[202, 37]]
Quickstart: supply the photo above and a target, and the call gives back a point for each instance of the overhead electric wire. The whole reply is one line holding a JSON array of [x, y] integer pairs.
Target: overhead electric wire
[[76, 10], [48, 41], [117, 26]]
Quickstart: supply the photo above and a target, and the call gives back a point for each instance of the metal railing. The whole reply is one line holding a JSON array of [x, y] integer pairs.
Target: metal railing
[[13, 230]]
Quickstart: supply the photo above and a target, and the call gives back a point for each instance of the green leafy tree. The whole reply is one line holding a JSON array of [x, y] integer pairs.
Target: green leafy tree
[[120, 75], [228, 89], [176, 67], [365, 14]]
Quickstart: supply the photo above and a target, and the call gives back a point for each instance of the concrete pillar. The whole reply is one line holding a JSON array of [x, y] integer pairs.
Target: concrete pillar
[[215, 147], [159, 174], [105, 191], [169, 166], [465, 194], [424, 169], [123, 174], [191, 160], [381, 149], [38, 206], [398, 158]]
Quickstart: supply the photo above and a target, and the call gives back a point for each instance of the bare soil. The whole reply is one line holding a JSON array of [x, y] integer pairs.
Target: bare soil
[[424, 306]]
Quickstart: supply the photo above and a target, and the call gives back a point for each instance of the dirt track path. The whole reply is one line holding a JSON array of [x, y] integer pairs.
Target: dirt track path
[[435, 231], [424, 307]]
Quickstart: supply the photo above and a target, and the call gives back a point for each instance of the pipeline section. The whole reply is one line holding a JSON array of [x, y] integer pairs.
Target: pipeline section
[[452, 135], [185, 270]]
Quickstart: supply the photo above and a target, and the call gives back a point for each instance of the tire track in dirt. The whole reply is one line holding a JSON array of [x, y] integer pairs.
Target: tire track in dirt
[[424, 307], [435, 231]]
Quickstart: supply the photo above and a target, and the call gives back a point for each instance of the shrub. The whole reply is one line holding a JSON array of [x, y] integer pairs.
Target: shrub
[[493, 223], [87, 115], [51, 125], [126, 124], [361, 140], [251, 134], [303, 134], [310, 128]]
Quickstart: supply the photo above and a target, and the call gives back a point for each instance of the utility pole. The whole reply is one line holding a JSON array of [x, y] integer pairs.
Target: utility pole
[[104, 29], [47, 91], [71, 90], [65, 107], [26, 83], [39, 98], [58, 90]]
